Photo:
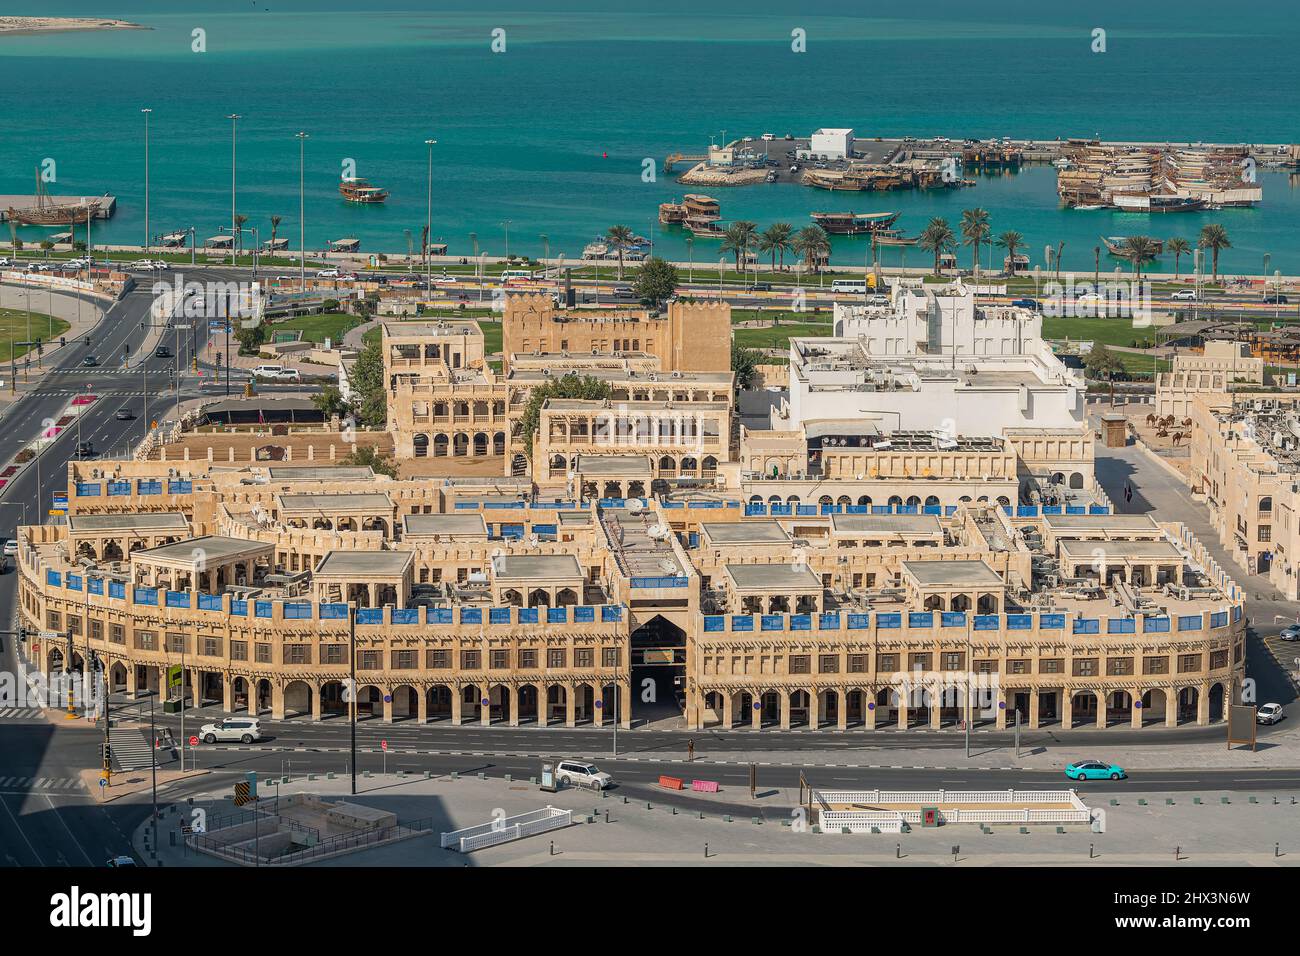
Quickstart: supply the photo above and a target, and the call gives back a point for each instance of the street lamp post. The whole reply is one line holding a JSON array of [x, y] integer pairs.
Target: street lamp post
[[506, 225], [352, 689], [234, 118], [428, 221], [302, 215], [147, 239]]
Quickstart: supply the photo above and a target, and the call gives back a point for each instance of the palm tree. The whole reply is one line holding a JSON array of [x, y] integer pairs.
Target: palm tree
[[938, 237], [1010, 241], [813, 245], [238, 239], [620, 237], [275, 225], [975, 232], [1137, 250], [1060, 248], [738, 237], [775, 239], [1215, 238], [1179, 247]]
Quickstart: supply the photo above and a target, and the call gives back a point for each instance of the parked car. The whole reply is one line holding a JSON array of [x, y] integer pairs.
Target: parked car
[[246, 730], [161, 265], [1186, 295], [1094, 770], [761, 287], [577, 773], [142, 265], [1269, 714], [120, 861], [1291, 633], [624, 292]]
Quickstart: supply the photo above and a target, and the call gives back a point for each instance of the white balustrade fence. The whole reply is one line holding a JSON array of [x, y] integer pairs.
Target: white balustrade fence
[[507, 829]]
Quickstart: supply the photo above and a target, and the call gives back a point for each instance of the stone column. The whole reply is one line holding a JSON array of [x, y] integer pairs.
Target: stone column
[[843, 712], [252, 697], [1203, 706], [512, 701], [456, 693], [785, 710], [315, 703], [756, 713], [1067, 709], [901, 710], [1171, 707], [387, 701], [277, 702], [728, 709], [1033, 708], [1003, 702], [1101, 709], [485, 710], [1135, 718], [570, 706], [597, 713], [131, 686], [227, 689], [422, 705], [625, 705], [869, 710]]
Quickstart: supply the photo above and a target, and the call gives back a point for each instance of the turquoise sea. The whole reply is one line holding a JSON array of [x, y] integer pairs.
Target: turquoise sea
[[550, 135]]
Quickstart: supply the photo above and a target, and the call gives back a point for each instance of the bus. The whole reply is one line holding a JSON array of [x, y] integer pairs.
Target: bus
[[858, 286], [515, 275]]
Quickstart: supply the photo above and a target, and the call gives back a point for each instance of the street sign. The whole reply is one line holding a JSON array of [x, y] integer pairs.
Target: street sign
[[194, 741], [50, 635], [384, 745]]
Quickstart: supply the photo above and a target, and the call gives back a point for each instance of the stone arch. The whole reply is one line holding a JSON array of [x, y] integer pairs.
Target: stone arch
[[498, 443], [438, 700], [298, 699], [480, 444], [460, 445], [333, 701], [1076, 480], [527, 702], [689, 466], [440, 443], [667, 466], [557, 702], [987, 603], [420, 445], [959, 602]]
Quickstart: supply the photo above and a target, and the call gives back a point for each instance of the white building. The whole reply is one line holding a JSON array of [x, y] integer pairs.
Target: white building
[[831, 144], [921, 322]]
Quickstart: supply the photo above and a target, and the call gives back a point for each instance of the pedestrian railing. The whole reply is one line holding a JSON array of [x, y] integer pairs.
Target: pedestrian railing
[[506, 829]]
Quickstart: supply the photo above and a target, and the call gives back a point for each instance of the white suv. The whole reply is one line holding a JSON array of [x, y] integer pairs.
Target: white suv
[[1269, 714], [243, 729], [574, 773]]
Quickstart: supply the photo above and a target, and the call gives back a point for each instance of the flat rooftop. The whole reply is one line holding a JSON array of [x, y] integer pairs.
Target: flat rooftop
[[162, 521], [723, 533], [336, 504], [365, 562], [788, 578], [458, 525], [320, 473], [536, 567], [614, 466], [1162, 550], [886, 526], [947, 574], [1128, 523], [207, 550], [407, 330]]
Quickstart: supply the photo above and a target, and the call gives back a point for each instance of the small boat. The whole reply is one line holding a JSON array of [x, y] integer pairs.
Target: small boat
[[1115, 245], [672, 213], [355, 189], [894, 237], [854, 223], [47, 212], [1089, 207], [706, 228]]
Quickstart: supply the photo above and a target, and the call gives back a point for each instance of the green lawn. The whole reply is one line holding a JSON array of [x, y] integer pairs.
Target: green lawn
[[1109, 331], [778, 337], [13, 329], [318, 328], [491, 327], [782, 315]]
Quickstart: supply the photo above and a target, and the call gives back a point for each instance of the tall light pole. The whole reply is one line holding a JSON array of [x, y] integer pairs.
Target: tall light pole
[[506, 225], [428, 222], [147, 240], [302, 216], [234, 118]]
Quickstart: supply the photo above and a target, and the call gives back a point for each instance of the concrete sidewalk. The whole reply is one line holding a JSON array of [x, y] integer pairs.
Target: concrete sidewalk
[[613, 832]]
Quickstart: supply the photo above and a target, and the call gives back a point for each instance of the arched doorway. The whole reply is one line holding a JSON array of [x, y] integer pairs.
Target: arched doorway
[[297, 699], [659, 668], [438, 702]]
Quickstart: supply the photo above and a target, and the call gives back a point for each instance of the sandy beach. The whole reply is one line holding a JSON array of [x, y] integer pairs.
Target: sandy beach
[[17, 26]]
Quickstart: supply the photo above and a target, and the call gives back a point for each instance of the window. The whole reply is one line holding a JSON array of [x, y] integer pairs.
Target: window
[[470, 661], [74, 625], [297, 653], [1265, 532], [499, 660], [583, 657], [986, 667], [528, 659], [952, 660], [1051, 665], [437, 659], [53, 621], [262, 651], [176, 643], [146, 641], [800, 664], [1155, 665], [1085, 667], [239, 650], [609, 657], [405, 660], [886, 663], [1119, 666], [1218, 659], [828, 663], [1020, 666], [369, 660], [333, 653], [96, 630], [212, 647], [555, 657], [1189, 663], [918, 662], [857, 663]]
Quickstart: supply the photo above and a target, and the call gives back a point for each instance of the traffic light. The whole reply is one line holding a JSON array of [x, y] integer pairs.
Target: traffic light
[[63, 340], [107, 752], [40, 347]]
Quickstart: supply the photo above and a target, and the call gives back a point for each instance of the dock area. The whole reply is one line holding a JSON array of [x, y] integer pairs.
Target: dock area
[[107, 204]]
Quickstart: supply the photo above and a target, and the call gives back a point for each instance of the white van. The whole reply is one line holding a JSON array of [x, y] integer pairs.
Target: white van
[[509, 275], [268, 371], [850, 285]]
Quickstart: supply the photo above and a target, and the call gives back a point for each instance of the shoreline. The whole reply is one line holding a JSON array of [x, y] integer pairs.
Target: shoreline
[[34, 26]]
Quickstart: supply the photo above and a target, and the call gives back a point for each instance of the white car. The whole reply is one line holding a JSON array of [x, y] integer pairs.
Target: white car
[[576, 773], [246, 730], [11, 548], [1187, 295], [142, 265], [289, 375], [5, 261], [1291, 633], [268, 371], [327, 274], [161, 265], [1269, 714]]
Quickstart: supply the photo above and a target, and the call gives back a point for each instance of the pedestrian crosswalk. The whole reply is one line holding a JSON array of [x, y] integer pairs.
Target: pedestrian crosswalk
[[132, 750], [59, 784], [21, 713]]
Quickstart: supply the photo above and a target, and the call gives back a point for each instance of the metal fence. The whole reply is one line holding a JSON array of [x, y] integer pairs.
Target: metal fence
[[507, 828]]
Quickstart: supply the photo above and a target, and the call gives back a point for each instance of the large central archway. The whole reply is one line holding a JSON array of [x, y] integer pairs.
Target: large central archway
[[658, 669]]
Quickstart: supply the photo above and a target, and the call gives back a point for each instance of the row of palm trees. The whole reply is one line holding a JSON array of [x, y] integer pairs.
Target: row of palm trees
[[1214, 237], [742, 237]]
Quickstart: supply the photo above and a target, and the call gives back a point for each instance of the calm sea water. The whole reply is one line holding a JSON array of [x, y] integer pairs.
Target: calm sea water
[[550, 135]]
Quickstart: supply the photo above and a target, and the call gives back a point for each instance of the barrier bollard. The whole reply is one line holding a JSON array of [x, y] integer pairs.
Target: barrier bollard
[[366, 774], [647, 805], [455, 775], [606, 816], [1090, 853], [1252, 800], [625, 800], [552, 848], [172, 835], [311, 777], [1277, 850], [428, 775], [898, 851], [674, 809], [482, 775], [1178, 851], [706, 851], [533, 781], [701, 814], [509, 778], [329, 775]]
